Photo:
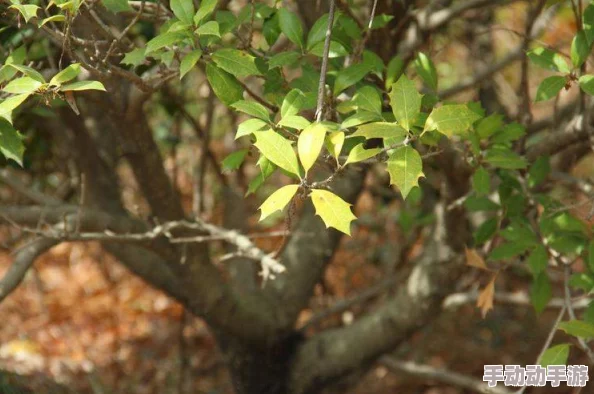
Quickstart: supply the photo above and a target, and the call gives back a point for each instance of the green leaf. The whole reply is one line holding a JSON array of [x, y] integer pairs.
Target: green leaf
[[490, 125], [541, 292], [336, 50], [405, 102], [294, 122], [206, 8], [507, 250], [224, 85], [278, 200], [188, 62], [28, 71], [555, 355], [16, 56], [381, 130], [481, 182], [359, 118], [511, 132], [210, 28], [183, 9], [67, 74], [368, 99], [580, 49], [164, 40], [334, 211], [394, 70], [28, 11], [539, 171], [22, 85], [349, 76], [547, 59], [116, 6], [283, 59], [588, 21], [82, 85], [587, 84], [405, 168], [317, 33], [549, 88], [292, 104], [359, 153], [485, 231], [249, 126], [291, 26], [451, 120], [310, 143], [502, 157], [334, 143], [589, 313], [8, 105], [252, 108], [11, 145], [134, 58], [538, 260], [233, 161], [475, 204], [55, 19], [266, 169], [578, 328], [426, 70], [236, 62], [278, 150], [380, 21]]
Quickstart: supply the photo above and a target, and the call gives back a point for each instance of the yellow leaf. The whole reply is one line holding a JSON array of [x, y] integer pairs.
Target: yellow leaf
[[310, 144], [278, 200], [334, 143], [334, 211]]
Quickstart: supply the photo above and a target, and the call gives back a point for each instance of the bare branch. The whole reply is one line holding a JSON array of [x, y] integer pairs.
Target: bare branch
[[427, 372], [23, 260]]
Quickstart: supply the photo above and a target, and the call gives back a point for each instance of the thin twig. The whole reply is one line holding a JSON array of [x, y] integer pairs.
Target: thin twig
[[324, 69]]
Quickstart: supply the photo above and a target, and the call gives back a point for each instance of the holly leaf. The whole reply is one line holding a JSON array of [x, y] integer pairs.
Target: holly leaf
[[278, 150], [359, 153], [310, 143], [224, 85], [405, 168], [334, 143], [405, 102], [236, 62], [380, 130], [334, 211], [278, 200], [451, 119]]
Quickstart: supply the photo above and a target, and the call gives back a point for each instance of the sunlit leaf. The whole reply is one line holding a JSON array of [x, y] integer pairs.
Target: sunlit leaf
[[188, 62], [405, 102], [291, 26], [555, 355], [359, 153], [294, 122], [183, 9], [368, 99], [549, 88], [236, 62], [278, 150], [451, 120], [252, 108], [22, 85], [426, 70], [334, 211], [578, 328], [82, 85], [310, 143], [334, 143], [292, 103], [210, 28], [380, 130], [548, 59], [67, 74], [206, 8], [278, 200], [163, 40], [405, 168]]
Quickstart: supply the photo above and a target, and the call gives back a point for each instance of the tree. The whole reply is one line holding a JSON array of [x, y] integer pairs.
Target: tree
[[328, 97]]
